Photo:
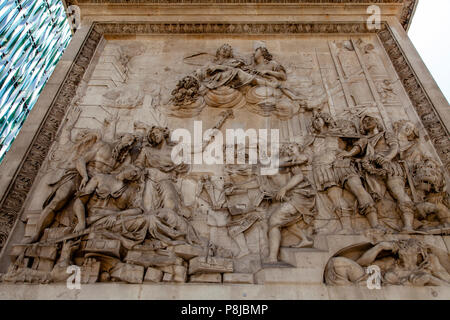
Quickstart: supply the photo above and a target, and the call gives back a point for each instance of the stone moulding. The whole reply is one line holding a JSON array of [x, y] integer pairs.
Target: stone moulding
[[13, 200], [405, 18]]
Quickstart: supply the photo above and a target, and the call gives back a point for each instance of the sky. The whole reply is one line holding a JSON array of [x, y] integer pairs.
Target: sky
[[430, 33]]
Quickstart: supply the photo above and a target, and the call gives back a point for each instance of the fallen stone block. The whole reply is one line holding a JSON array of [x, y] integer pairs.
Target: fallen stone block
[[187, 251], [128, 272], [210, 265], [206, 278], [152, 259], [153, 275], [35, 251], [103, 246]]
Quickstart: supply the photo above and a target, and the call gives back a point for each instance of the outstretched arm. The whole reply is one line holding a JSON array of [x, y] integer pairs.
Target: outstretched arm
[[109, 128], [289, 161], [295, 180], [280, 75], [79, 204], [353, 152], [81, 166], [70, 121], [393, 147], [370, 255]]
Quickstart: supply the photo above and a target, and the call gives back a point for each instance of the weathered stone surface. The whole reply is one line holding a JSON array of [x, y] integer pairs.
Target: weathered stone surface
[[206, 278], [153, 275], [90, 273], [187, 251], [210, 264], [150, 258], [238, 278], [128, 272], [174, 273], [104, 246], [40, 251]]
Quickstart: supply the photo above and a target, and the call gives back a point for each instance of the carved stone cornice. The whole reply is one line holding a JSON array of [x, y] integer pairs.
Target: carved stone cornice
[[437, 131], [229, 28], [13, 200], [405, 19]]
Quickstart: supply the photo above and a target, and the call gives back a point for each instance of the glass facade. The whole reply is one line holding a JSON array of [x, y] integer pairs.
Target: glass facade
[[33, 36]]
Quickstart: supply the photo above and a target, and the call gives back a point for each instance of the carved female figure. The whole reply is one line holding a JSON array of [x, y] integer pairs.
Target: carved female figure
[[156, 159], [269, 95]]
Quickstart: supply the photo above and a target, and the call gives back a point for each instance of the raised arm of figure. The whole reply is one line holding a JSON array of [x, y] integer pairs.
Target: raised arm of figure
[[370, 255]]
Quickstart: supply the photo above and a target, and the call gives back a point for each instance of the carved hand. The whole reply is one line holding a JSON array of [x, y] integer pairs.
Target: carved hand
[[83, 183], [281, 194], [341, 155], [380, 159], [114, 118], [110, 221], [81, 225]]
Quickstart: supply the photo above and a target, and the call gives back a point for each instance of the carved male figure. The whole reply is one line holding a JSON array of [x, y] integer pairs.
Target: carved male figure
[[380, 150], [297, 201], [100, 157], [332, 174], [407, 262]]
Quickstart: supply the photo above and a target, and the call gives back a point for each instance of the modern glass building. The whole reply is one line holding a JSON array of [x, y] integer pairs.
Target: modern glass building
[[33, 36]]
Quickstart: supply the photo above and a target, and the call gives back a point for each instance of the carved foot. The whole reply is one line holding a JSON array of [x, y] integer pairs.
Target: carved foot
[[407, 230], [30, 240], [303, 244], [270, 260]]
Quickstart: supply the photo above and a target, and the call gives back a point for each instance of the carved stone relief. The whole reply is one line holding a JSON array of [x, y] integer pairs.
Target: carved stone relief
[[114, 202]]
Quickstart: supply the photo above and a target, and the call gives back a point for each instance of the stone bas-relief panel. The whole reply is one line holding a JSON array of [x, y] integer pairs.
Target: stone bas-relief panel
[[353, 160]]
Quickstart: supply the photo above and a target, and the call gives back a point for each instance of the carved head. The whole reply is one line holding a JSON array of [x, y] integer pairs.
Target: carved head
[[428, 176], [368, 47], [123, 147], [369, 124], [157, 135], [406, 128], [225, 51], [262, 51], [290, 149], [322, 121], [85, 139], [410, 252]]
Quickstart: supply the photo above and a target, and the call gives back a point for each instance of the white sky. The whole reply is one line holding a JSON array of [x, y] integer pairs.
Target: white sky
[[430, 33]]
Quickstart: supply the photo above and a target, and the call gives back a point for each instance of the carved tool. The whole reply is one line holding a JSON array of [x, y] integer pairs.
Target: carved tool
[[223, 116]]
